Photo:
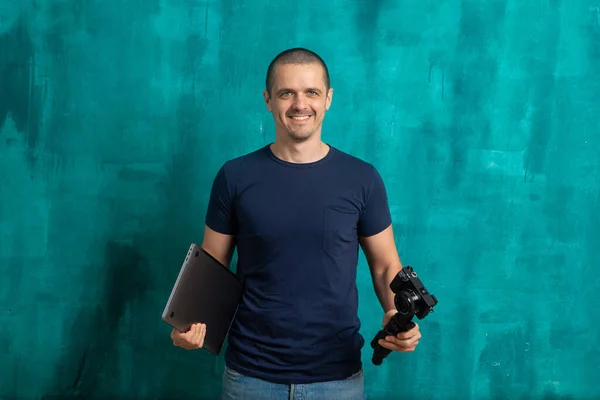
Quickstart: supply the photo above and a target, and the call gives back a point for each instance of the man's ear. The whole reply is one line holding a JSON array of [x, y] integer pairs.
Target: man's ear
[[267, 98], [329, 99]]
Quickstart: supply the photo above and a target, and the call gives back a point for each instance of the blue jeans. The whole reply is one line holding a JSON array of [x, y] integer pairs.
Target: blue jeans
[[240, 387]]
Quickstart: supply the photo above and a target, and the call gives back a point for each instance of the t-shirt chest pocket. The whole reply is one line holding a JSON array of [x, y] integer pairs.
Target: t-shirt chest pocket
[[339, 231]]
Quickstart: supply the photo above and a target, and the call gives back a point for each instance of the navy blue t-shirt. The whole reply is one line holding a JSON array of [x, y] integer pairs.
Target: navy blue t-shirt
[[296, 228]]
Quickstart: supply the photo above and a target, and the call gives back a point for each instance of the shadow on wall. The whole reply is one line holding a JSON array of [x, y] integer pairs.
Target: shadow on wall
[[90, 365], [111, 349]]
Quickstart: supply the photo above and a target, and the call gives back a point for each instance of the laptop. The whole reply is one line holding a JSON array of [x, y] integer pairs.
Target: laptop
[[205, 291]]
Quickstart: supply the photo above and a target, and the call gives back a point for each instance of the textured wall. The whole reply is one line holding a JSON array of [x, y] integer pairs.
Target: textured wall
[[482, 117]]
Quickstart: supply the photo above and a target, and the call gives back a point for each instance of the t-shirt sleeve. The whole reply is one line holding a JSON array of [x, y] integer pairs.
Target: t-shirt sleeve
[[375, 215], [220, 215]]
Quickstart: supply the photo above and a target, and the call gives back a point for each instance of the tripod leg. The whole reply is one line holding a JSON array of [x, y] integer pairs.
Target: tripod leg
[[398, 323]]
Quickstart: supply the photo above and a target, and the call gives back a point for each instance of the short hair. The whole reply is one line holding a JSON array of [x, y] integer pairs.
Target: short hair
[[299, 56]]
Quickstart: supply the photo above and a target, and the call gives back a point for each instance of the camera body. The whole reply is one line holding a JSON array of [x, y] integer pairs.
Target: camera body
[[411, 299]]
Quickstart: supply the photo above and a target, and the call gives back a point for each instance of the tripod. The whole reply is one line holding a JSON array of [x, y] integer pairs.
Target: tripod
[[399, 323], [411, 298]]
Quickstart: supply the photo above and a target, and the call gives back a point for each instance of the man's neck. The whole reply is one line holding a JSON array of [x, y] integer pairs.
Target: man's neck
[[300, 153]]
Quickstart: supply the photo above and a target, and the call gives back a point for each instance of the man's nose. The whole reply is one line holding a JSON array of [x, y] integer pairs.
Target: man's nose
[[300, 102]]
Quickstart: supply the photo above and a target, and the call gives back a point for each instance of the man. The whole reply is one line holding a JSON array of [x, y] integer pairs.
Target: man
[[297, 210]]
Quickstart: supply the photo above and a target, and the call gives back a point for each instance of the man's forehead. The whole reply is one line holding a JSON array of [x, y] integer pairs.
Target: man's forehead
[[300, 75]]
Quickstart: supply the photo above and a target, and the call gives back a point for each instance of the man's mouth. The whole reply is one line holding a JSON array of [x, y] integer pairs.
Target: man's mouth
[[300, 117]]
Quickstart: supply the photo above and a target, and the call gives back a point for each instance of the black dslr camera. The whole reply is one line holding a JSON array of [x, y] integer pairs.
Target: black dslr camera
[[411, 299]]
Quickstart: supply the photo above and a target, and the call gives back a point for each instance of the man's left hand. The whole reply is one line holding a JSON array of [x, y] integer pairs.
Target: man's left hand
[[404, 341]]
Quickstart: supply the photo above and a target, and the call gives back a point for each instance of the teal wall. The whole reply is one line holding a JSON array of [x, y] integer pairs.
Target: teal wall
[[482, 117]]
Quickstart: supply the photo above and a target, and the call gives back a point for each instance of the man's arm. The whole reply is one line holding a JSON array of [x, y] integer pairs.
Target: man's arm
[[384, 264], [220, 246]]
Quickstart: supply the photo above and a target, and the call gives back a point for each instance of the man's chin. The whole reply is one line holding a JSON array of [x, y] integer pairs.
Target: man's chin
[[299, 131], [300, 136]]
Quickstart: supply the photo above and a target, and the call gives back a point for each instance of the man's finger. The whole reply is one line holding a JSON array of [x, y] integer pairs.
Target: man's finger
[[199, 335], [401, 344], [402, 341], [202, 336], [409, 334], [195, 335], [405, 347], [395, 347], [196, 339]]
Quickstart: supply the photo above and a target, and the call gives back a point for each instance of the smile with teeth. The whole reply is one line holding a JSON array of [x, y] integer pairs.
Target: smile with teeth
[[300, 117]]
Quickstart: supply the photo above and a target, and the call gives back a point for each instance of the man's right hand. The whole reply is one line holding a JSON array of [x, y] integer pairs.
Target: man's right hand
[[190, 340]]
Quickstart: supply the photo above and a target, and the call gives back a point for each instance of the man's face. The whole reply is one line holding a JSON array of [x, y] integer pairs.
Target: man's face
[[299, 100]]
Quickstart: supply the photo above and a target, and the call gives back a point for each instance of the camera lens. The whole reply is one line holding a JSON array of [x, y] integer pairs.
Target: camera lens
[[405, 302]]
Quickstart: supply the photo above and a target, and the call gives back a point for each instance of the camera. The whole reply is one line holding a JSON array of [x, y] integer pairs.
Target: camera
[[411, 299]]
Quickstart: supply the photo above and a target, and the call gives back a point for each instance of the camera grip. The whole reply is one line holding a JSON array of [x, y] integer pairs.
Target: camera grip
[[395, 326]]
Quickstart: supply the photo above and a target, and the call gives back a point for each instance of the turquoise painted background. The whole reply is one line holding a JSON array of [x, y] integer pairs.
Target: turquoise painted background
[[482, 117]]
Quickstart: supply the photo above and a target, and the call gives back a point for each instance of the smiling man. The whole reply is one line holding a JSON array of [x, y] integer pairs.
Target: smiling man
[[298, 98], [297, 210]]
